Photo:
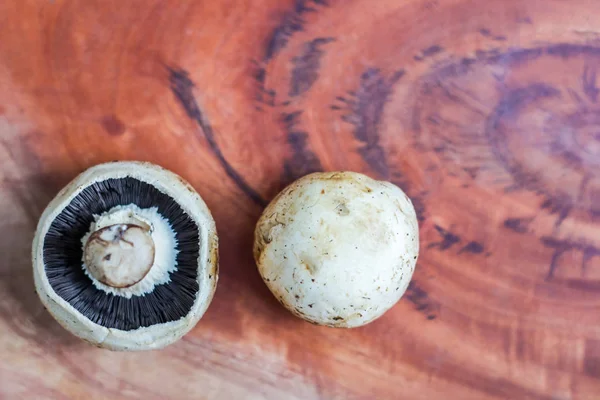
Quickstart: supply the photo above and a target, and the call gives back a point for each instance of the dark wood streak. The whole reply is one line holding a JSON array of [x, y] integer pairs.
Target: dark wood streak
[[182, 87], [514, 57], [510, 58], [472, 171], [303, 160], [567, 50], [293, 21], [472, 247], [588, 80], [448, 239], [514, 100], [306, 66], [561, 246], [428, 52], [558, 204], [365, 110], [519, 225], [421, 300], [581, 285], [263, 95], [487, 33]]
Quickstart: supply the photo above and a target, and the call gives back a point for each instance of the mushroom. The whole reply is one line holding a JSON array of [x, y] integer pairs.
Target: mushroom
[[125, 256], [338, 248]]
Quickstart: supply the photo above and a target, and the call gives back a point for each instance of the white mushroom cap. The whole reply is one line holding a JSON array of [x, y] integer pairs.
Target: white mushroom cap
[[338, 248], [151, 235]]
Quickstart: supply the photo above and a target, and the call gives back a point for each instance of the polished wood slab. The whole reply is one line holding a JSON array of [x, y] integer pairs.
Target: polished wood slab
[[485, 112]]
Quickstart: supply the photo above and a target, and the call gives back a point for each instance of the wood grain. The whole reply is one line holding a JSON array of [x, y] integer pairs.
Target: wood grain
[[485, 112]]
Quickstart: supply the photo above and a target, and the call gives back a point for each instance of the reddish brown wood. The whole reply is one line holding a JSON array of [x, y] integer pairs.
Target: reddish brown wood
[[485, 112]]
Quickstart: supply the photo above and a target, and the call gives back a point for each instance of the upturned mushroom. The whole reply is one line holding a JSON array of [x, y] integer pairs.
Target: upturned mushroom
[[125, 256], [338, 248]]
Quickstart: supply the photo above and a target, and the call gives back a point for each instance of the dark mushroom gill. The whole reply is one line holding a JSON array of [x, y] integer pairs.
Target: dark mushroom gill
[[63, 252]]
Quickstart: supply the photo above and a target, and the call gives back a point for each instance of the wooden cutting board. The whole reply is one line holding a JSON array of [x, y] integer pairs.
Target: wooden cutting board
[[485, 112]]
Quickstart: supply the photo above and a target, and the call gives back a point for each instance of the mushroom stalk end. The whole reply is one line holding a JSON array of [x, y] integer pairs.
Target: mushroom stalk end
[[119, 255]]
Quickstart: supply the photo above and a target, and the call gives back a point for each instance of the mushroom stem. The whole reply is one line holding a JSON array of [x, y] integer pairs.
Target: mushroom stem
[[119, 255]]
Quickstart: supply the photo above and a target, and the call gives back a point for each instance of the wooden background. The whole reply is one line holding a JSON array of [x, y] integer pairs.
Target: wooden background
[[485, 112]]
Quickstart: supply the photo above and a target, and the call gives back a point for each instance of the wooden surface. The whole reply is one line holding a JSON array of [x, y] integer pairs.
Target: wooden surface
[[485, 112]]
